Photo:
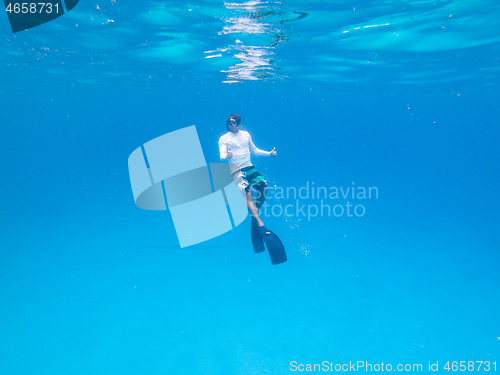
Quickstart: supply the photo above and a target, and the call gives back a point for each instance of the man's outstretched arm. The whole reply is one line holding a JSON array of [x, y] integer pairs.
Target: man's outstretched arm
[[259, 152]]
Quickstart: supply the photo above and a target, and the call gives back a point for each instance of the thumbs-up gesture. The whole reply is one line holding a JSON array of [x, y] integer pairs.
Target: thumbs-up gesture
[[274, 153], [229, 154]]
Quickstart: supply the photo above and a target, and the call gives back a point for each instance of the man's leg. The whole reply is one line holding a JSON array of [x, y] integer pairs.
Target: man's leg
[[261, 194], [259, 201], [253, 208]]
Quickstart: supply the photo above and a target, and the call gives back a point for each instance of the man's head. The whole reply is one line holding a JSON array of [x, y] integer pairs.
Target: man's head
[[233, 123]]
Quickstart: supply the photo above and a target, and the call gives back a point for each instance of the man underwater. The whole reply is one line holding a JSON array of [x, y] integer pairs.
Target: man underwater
[[236, 146]]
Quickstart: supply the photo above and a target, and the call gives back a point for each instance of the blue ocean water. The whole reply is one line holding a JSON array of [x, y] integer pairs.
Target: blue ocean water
[[400, 96]]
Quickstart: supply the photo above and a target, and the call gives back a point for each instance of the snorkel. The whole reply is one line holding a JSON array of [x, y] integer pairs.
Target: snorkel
[[233, 123]]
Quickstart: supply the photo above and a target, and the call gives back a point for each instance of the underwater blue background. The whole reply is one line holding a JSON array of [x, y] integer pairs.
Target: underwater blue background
[[91, 284]]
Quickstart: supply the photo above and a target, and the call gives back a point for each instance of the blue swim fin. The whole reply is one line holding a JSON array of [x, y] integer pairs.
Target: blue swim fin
[[274, 246], [257, 241]]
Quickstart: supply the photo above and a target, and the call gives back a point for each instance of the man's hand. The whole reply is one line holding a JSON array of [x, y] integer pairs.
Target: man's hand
[[274, 153], [229, 154]]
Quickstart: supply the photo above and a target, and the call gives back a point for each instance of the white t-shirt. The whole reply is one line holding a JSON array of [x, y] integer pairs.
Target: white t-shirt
[[240, 144]]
